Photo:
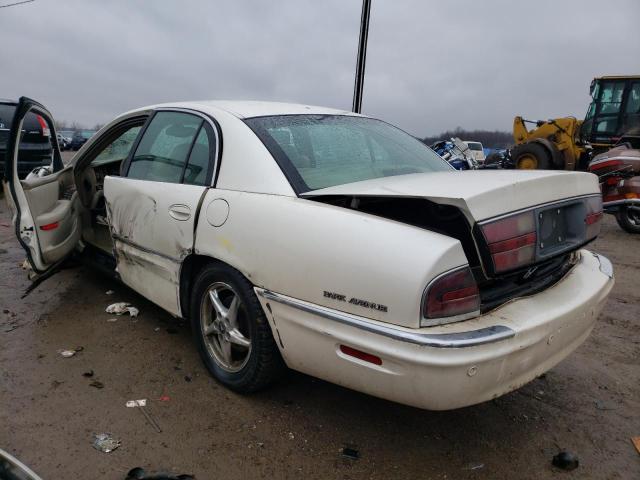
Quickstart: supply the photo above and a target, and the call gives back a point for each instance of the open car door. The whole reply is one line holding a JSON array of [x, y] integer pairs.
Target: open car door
[[46, 209]]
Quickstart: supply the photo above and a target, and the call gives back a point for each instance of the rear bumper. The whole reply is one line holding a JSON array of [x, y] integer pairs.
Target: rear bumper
[[448, 366]]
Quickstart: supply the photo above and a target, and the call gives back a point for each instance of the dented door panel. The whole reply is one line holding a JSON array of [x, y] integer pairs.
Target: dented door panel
[[150, 243]]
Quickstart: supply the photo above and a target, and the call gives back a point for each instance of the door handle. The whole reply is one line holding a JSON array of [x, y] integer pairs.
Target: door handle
[[180, 212]]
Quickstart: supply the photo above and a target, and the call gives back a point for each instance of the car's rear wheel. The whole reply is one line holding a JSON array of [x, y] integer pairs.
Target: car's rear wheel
[[231, 331], [531, 156], [629, 220]]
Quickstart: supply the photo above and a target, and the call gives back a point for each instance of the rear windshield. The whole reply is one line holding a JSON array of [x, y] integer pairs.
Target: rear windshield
[[30, 123], [319, 151], [475, 146]]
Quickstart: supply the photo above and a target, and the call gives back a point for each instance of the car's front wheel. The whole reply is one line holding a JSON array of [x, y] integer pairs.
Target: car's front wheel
[[231, 331]]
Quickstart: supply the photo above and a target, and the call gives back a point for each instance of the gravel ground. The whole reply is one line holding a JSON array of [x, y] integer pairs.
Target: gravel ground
[[589, 404]]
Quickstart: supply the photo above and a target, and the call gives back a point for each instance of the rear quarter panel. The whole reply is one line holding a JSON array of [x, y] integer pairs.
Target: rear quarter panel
[[302, 248]]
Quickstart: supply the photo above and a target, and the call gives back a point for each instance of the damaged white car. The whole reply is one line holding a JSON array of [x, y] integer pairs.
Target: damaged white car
[[329, 242]]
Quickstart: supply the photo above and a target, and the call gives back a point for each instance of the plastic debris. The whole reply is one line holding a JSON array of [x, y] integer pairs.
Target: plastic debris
[[96, 384], [67, 353], [109, 292], [122, 308], [351, 453], [164, 398], [636, 443], [136, 403], [105, 442], [291, 436], [140, 474], [565, 461]]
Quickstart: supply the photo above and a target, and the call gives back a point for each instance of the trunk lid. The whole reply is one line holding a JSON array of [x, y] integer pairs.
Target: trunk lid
[[479, 194]]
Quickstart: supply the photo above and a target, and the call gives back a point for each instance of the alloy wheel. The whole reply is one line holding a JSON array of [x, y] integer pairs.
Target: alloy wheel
[[224, 324]]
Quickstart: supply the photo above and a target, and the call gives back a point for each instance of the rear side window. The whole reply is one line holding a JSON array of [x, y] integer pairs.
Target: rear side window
[[163, 150]]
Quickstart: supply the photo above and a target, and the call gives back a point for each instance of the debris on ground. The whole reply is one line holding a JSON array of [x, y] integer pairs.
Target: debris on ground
[[565, 461], [96, 384], [187, 378], [291, 436], [351, 453], [109, 292], [122, 308], [112, 319], [88, 374], [105, 442], [164, 398], [136, 403], [475, 466], [67, 353], [140, 474], [600, 405], [150, 419], [636, 443]]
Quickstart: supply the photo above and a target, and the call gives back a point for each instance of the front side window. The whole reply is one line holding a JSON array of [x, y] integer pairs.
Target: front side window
[[165, 145], [319, 151], [119, 149], [633, 100]]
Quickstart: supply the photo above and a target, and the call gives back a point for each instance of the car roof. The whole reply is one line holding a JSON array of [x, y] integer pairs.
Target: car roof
[[248, 108]]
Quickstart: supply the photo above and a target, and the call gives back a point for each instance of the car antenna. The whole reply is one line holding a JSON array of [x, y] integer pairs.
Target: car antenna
[[362, 56]]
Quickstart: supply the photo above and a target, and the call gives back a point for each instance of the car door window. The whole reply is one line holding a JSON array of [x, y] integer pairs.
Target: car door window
[[119, 149], [164, 147], [198, 164]]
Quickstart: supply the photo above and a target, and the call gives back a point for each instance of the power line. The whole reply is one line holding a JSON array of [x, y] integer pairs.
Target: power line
[[16, 3]]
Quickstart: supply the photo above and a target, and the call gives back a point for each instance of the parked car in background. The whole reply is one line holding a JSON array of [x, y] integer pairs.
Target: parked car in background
[[477, 151], [35, 145], [63, 142], [79, 138], [68, 136], [330, 242]]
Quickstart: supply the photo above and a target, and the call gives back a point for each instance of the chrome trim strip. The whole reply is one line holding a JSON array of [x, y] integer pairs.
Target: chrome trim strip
[[470, 338], [606, 266], [625, 201], [126, 241]]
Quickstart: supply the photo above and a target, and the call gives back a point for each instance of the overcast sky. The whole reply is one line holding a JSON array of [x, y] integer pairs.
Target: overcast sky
[[431, 65]]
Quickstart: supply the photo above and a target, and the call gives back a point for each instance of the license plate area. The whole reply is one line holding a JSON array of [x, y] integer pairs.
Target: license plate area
[[560, 228]]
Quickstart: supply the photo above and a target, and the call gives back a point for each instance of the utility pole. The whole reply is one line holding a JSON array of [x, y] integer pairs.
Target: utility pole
[[362, 56]]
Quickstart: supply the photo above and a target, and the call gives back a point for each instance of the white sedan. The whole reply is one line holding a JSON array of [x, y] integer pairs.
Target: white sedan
[[329, 242]]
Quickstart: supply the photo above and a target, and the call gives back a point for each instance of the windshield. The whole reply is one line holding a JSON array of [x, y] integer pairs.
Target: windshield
[[319, 151], [475, 146]]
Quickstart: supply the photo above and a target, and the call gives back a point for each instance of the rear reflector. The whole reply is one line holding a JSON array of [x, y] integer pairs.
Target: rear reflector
[[511, 241], [49, 226], [452, 294], [367, 357]]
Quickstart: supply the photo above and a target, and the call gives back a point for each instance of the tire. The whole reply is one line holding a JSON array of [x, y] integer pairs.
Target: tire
[[629, 220], [531, 156], [238, 367]]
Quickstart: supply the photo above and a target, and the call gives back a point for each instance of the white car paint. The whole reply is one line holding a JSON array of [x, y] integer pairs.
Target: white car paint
[[293, 249]]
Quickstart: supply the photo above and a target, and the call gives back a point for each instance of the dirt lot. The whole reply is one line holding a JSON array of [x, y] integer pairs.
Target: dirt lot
[[589, 404]]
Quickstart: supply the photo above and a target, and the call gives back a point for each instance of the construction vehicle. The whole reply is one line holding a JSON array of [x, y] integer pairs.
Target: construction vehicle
[[568, 143]]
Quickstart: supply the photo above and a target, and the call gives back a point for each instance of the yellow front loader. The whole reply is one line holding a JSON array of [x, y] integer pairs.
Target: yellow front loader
[[568, 143]]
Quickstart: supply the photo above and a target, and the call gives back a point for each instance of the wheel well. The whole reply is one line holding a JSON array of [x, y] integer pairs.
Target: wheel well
[[191, 267]]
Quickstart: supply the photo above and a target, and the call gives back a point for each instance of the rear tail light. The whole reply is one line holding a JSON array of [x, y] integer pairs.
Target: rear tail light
[[43, 126], [511, 241], [593, 217], [453, 294]]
